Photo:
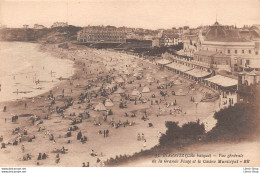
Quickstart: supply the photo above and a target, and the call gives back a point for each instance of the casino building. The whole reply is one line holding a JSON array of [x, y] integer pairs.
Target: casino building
[[241, 46]]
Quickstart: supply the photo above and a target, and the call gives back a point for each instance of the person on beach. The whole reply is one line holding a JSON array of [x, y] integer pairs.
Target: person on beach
[[79, 135], [5, 108], [39, 156], [143, 137], [57, 158], [22, 148], [138, 137], [98, 160], [144, 143], [93, 154], [44, 156]]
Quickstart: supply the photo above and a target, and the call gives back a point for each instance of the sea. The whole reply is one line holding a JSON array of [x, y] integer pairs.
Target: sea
[[27, 72]]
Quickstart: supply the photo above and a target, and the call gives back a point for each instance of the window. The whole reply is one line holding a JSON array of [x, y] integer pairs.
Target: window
[[247, 62], [228, 51], [256, 52], [249, 51], [243, 51], [235, 51]]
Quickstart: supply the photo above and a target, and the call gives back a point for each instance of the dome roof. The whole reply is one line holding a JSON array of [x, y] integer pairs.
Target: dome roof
[[220, 33]]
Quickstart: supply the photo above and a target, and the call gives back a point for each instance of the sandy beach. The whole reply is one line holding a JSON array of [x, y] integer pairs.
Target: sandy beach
[[91, 68]]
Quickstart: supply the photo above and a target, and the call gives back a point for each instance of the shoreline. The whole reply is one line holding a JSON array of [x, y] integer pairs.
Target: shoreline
[[17, 108], [38, 47]]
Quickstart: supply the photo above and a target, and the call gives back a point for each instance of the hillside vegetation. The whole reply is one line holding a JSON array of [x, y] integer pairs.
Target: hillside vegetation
[[47, 35]]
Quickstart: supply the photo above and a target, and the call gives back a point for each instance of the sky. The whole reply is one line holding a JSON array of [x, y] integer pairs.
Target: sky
[[150, 14]]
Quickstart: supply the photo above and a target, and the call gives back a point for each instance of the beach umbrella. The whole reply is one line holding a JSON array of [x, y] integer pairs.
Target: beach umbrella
[[100, 107], [109, 103]]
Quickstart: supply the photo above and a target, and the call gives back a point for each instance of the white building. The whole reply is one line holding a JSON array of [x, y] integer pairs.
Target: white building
[[242, 46]]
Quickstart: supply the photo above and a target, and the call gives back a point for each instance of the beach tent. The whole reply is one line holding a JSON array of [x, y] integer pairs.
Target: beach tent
[[119, 91], [116, 99], [100, 107], [127, 72], [150, 80], [180, 92], [120, 80], [109, 103], [146, 89], [177, 82], [136, 74], [135, 92], [110, 86]]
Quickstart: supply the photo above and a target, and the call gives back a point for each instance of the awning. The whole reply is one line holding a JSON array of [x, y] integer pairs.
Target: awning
[[198, 73], [163, 62], [179, 67], [222, 81]]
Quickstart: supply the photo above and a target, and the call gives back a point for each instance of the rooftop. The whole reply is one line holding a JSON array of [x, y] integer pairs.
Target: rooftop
[[222, 81], [218, 32]]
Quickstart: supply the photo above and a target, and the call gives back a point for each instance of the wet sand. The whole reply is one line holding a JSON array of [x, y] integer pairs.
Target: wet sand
[[122, 140]]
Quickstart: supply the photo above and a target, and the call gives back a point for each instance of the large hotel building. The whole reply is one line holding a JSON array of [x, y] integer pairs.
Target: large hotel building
[[101, 34]]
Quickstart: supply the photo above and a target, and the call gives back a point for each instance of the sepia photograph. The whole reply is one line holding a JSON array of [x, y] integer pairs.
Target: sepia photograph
[[129, 83]]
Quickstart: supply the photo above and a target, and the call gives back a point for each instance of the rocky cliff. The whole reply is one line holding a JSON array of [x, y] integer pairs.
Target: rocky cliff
[[48, 35]]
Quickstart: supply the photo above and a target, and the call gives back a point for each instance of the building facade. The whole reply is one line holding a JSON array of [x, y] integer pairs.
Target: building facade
[[215, 60], [241, 46], [249, 87], [169, 38], [101, 34]]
